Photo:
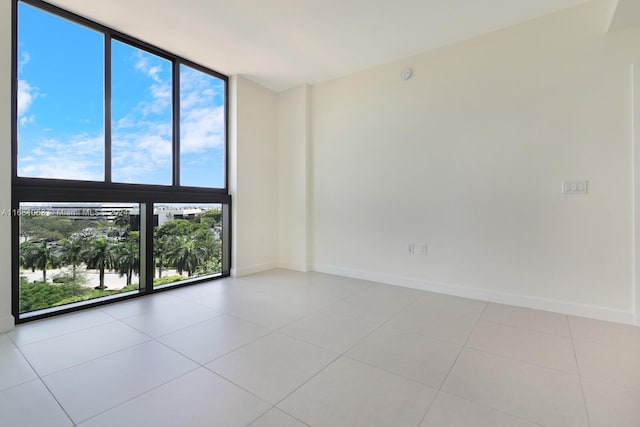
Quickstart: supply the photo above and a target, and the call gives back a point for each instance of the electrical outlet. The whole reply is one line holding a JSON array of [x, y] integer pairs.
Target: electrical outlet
[[423, 249], [411, 248]]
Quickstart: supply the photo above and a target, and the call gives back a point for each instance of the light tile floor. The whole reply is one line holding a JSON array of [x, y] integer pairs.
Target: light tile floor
[[291, 349]]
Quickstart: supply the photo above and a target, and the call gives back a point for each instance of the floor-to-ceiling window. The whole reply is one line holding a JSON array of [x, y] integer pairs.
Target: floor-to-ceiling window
[[119, 165]]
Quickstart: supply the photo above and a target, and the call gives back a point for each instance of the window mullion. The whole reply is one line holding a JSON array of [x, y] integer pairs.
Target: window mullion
[[107, 107], [147, 258], [176, 123]]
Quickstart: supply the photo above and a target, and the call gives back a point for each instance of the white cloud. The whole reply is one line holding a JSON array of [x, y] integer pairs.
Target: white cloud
[[162, 95], [201, 121], [138, 117], [144, 64], [27, 120], [142, 139], [125, 122], [154, 72], [201, 129], [24, 60], [26, 95], [141, 154], [78, 157]]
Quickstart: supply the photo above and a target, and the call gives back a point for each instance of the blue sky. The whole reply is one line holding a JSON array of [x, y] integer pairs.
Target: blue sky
[[61, 109]]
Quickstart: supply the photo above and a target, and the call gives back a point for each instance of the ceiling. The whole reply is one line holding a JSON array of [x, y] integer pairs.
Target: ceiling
[[627, 14], [284, 43]]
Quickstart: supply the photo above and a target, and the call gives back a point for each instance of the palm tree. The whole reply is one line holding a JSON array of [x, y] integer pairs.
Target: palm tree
[[39, 256], [99, 254], [72, 249], [123, 220], [27, 251], [162, 245], [187, 255], [211, 218], [127, 260]]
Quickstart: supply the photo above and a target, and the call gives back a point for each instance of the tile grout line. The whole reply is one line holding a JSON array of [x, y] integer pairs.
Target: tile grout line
[[199, 366], [575, 356], [273, 408], [390, 372], [525, 328], [62, 334], [525, 362], [149, 339], [271, 332], [277, 330], [139, 395], [203, 365], [343, 354], [462, 348], [501, 411], [170, 332], [101, 357], [39, 378], [577, 373], [58, 402]]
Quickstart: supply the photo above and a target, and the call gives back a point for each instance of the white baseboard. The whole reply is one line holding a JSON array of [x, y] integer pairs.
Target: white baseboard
[[564, 307], [7, 323], [252, 269], [294, 266]]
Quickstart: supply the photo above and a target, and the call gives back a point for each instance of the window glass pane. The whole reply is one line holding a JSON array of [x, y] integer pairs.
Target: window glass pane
[[141, 109], [71, 252], [60, 98], [202, 129], [187, 241]]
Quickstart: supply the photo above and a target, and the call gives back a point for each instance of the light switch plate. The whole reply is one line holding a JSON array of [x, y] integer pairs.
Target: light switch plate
[[574, 187]]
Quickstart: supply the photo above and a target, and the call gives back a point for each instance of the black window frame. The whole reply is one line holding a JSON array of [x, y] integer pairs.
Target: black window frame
[[29, 189]]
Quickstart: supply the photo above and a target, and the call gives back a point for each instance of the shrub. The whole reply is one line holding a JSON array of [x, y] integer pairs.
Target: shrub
[[168, 279], [39, 295]]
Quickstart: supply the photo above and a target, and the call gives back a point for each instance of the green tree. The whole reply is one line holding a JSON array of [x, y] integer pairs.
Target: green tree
[[123, 220], [27, 251], [162, 245], [211, 262], [187, 255], [176, 228], [205, 238], [127, 259], [47, 227], [39, 256], [99, 254], [210, 266], [72, 249], [211, 218]]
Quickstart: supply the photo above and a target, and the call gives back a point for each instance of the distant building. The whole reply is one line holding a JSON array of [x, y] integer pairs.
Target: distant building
[[109, 211]]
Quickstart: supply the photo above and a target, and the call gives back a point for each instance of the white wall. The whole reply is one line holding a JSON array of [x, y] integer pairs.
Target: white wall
[[253, 176], [469, 155], [635, 161], [293, 183], [6, 320]]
